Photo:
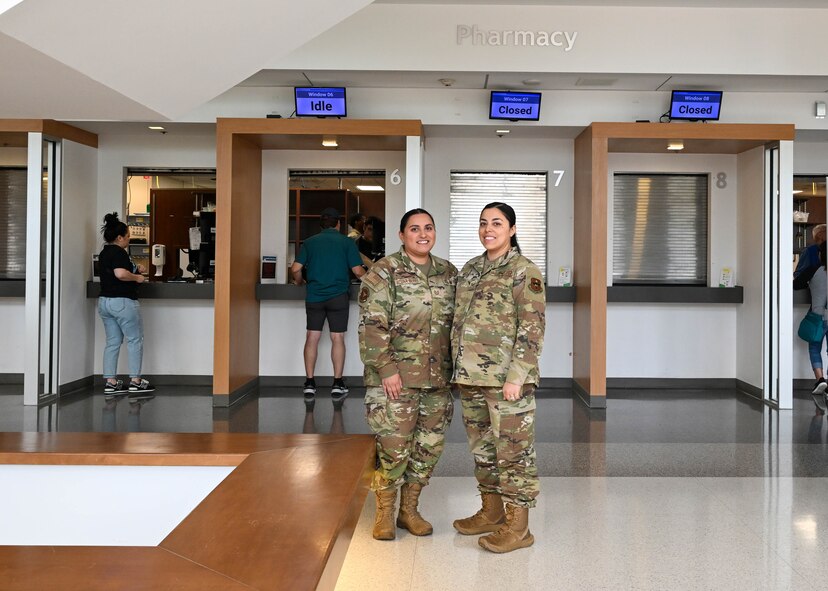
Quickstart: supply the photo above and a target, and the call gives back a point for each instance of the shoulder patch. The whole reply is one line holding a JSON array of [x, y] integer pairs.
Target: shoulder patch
[[372, 279], [363, 295], [535, 285]]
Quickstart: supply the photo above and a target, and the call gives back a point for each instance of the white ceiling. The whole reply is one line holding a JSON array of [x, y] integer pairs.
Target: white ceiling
[[153, 56], [158, 60], [545, 81]]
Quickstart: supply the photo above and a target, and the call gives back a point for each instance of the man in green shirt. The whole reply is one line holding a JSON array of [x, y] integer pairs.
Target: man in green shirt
[[327, 259]]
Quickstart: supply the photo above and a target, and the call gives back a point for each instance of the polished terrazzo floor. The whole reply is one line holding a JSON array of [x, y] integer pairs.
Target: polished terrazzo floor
[[593, 534], [674, 489]]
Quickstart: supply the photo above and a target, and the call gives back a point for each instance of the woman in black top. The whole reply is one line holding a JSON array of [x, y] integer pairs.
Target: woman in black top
[[119, 310]]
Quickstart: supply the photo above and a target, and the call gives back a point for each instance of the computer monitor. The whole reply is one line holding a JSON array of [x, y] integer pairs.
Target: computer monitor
[[696, 105]]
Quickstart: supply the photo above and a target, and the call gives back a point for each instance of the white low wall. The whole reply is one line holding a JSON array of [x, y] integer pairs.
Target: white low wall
[[671, 340], [11, 338], [178, 338], [282, 338], [100, 505]]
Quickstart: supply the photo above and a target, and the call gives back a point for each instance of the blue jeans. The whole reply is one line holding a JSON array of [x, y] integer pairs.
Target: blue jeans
[[122, 319], [815, 349]]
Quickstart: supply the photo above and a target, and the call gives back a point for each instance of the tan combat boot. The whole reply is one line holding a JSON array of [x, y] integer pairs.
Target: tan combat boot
[[409, 517], [384, 523], [512, 535], [488, 519]]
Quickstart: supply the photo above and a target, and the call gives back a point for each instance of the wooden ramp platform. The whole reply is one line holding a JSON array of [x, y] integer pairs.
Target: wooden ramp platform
[[282, 519]]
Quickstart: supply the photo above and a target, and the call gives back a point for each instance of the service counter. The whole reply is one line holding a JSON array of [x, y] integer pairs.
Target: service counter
[[646, 294], [158, 290]]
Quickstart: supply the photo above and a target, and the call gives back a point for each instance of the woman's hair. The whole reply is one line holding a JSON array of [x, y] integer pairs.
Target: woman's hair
[[354, 219], [113, 227], [506, 210], [407, 215]]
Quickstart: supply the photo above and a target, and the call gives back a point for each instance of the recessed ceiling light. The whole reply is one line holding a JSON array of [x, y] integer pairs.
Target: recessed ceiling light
[[156, 128], [369, 188], [797, 191], [330, 142], [675, 145], [503, 131]]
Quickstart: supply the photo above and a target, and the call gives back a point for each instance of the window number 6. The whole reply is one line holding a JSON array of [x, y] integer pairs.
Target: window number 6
[[395, 177], [560, 174]]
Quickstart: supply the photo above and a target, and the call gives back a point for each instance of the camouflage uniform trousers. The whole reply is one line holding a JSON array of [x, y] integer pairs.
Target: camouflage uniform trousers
[[411, 433], [501, 437]]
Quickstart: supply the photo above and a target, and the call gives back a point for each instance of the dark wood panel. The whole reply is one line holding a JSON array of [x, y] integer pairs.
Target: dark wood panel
[[170, 223]]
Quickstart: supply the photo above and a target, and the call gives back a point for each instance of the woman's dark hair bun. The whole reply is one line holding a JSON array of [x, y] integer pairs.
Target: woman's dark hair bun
[[113, 227]]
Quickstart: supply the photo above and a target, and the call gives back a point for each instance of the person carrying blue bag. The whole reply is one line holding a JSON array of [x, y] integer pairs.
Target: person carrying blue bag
[[819, 303]]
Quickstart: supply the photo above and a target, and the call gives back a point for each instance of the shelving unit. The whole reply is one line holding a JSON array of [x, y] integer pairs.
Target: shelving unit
[[304, 207], [810, 200], [139, 228]]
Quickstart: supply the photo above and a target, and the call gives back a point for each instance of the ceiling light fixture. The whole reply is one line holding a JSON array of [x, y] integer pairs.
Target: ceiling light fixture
[[797, 191], [330, 142], [675, 145], [156, 128], [820, 110], [369, 188], [531, 82], [502, 131]]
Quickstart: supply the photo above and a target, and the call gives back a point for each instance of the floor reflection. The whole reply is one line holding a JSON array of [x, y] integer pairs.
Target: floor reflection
[[673, 416]]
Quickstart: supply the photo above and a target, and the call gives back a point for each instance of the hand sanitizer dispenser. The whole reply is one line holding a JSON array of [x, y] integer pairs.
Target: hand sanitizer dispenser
[[159, 257]]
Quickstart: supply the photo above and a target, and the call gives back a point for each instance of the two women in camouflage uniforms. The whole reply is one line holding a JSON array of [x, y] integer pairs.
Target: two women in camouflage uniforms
[[495, 331], [496, 340], [407, 302]]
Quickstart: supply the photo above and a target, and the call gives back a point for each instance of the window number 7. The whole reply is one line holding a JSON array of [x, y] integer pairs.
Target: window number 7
[[560, 174]]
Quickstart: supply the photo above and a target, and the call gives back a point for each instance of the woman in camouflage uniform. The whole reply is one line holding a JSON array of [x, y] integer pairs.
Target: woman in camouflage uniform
[[407, 302], [496, 341]]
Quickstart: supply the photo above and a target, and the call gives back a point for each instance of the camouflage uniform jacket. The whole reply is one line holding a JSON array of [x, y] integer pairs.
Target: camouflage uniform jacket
[[499, 321], [405, 322]]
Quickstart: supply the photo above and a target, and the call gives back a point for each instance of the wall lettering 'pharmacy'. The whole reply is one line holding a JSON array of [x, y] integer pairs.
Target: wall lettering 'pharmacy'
[[473, 35]]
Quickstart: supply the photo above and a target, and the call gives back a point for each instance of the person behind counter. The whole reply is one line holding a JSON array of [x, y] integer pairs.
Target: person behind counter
[[407, 303], [120, 311], [809, 257], [818, 285], [496, 340], [327, 258]]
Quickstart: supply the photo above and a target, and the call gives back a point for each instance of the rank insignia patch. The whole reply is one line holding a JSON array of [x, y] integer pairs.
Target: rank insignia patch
[[535, 285]]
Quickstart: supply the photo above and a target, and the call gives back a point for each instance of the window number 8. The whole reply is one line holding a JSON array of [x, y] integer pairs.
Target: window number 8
[[721, 180]]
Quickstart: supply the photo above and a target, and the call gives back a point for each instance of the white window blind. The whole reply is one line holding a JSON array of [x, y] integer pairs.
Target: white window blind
[[524, 191], [660, 229], [13, 223]]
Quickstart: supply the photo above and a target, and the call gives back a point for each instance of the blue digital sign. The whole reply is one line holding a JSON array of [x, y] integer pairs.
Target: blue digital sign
[[515, 106], [320, 102], [696, 106]]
